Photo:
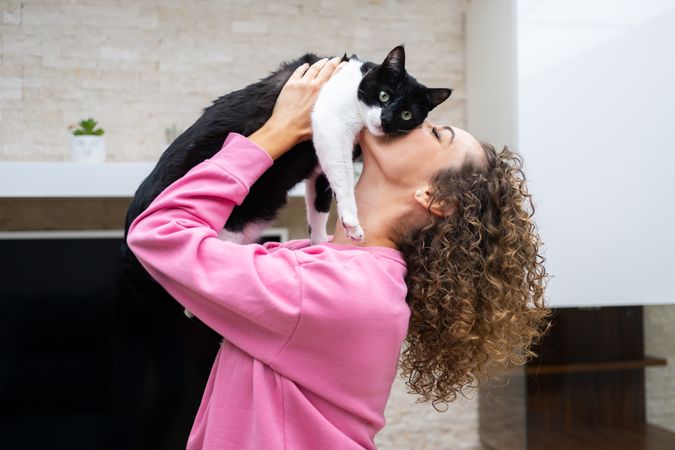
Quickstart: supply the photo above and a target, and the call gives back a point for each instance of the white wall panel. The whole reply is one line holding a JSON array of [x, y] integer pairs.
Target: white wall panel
[[595, 102]]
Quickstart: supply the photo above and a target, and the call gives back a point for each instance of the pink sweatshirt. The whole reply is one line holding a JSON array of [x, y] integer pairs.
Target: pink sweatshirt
[[312, 332]]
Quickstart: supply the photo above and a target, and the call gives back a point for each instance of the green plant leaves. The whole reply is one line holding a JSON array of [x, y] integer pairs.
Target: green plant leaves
[[88, 127]]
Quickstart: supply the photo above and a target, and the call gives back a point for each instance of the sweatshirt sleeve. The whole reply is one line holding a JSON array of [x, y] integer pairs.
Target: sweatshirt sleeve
[[244, 292]]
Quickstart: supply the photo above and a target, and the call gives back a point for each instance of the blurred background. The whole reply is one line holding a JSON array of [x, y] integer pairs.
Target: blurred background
[[584, 90]]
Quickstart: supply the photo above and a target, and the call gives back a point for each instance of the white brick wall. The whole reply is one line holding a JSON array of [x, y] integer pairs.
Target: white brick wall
[[660, 380], [417, 426], [140, 67]]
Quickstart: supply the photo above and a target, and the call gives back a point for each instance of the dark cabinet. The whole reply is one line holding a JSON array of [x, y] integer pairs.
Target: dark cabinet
[[84, 364], [585, 390]]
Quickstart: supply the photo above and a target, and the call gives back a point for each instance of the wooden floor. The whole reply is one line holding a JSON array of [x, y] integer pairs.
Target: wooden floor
[[650, 437]]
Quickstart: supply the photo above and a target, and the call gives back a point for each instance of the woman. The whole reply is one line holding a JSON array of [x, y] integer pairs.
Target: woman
[[312, 333]]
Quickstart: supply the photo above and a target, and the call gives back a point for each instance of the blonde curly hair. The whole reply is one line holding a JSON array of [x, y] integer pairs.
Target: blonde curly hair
[[476, 279]]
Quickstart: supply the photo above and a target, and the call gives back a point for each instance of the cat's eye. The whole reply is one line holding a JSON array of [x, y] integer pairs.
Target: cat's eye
[[384, 97], [406, 115]]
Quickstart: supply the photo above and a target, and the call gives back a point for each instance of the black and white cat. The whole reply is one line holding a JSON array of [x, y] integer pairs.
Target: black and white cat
[[382, 97]]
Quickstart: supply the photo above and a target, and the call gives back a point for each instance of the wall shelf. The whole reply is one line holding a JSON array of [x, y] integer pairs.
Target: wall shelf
[[72, 179], [547, 369]]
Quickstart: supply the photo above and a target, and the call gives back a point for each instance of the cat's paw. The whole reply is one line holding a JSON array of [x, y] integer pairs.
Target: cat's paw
[[353, 229]]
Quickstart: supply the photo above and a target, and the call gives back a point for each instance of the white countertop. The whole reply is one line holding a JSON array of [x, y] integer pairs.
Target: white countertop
[[74, 179]]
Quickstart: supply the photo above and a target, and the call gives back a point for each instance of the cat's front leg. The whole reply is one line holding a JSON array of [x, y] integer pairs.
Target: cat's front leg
[[334, 146], [345, 197], [350, 222], [318, 197]]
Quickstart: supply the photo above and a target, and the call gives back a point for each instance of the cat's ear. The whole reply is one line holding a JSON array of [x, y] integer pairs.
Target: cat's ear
[[395, 60], [438, 96]]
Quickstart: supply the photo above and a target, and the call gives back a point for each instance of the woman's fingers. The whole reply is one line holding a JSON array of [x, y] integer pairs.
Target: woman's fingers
[[339, 67], [327, 70], [299, 72], [320, 71], [315, 69]]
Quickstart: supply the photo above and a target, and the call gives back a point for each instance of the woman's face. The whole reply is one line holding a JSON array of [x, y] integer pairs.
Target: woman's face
[[409, 161]]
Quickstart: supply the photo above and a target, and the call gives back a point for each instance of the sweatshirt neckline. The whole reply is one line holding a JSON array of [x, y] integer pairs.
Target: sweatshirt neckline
[[375, 250]]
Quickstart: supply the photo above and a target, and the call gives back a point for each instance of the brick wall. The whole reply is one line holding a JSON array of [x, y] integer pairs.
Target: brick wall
[[140, 67], [660, 381]]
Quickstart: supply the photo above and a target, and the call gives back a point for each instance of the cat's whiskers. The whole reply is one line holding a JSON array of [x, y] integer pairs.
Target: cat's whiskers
[[398, 133]]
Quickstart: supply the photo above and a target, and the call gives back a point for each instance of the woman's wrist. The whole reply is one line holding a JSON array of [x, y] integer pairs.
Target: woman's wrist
[[274, 139]]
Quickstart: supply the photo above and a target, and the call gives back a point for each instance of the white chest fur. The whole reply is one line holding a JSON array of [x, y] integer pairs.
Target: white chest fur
[[339, 99]]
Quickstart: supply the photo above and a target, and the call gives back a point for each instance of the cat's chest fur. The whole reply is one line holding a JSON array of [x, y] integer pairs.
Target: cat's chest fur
[[338, 100]]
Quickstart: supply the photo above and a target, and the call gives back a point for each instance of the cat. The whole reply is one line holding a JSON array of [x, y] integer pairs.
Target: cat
[[381, 97], [385, 100]]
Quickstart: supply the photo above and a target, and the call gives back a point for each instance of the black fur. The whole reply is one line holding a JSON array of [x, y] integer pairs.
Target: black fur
[[246, 110], [406, 94]]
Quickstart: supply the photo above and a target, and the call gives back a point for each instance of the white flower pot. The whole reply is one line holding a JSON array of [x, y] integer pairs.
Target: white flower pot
[[87, 149]]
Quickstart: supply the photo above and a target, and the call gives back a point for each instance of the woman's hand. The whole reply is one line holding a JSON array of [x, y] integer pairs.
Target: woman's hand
[[291, 122]]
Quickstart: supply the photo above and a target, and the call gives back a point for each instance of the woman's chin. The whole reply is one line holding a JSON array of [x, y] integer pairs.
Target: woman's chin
[[375, 130]]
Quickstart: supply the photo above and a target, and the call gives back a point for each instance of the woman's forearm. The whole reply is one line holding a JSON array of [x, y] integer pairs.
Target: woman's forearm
[[246, 294]]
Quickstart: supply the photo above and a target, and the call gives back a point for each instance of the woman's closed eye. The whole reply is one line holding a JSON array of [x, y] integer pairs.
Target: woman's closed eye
[[436, 132]]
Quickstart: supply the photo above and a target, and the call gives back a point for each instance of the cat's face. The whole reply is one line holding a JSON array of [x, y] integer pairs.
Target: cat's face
[[393, 101]]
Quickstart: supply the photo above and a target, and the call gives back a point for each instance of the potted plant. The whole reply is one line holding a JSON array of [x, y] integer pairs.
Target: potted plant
[[87, 144]]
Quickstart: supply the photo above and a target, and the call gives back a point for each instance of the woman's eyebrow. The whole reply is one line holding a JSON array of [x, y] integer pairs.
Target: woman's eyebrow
[[451, 131]]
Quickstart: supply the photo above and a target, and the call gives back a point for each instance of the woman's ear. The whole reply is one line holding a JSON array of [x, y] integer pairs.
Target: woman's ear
[[440, 210]]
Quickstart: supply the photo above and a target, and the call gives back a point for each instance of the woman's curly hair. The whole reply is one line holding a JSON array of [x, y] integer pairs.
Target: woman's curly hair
[[475, 279]]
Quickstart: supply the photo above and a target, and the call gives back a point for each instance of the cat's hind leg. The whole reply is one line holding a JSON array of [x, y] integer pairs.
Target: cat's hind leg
[[318, 197], [248, 235]]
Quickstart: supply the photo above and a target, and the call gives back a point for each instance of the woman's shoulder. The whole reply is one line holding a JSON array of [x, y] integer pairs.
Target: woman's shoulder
[[333, 252], [340, 267], [293, 244]]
